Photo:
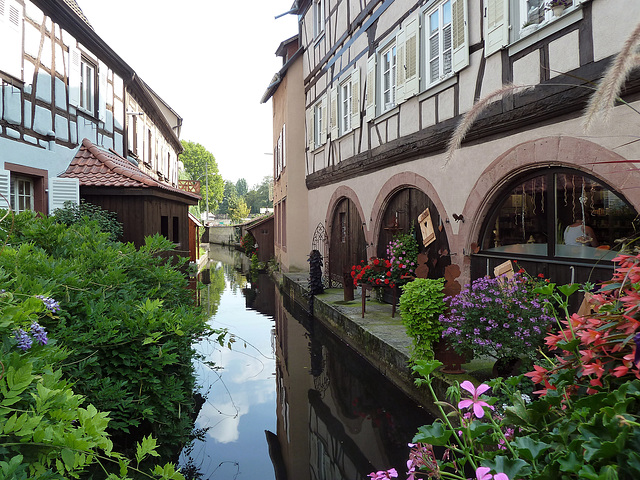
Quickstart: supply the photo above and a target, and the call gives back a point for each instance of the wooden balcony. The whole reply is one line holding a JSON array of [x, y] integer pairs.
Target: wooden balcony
[[191, 186]]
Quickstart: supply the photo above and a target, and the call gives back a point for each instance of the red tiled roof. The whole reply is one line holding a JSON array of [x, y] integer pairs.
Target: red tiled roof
[[96, 167]]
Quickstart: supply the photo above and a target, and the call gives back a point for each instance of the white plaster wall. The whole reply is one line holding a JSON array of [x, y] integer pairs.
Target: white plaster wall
[[526, 71], [564, 54], [56, 160], [610, 28]]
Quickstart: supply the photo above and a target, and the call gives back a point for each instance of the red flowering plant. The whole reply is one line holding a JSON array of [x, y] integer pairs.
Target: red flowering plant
[[403, 257], [373, 273]]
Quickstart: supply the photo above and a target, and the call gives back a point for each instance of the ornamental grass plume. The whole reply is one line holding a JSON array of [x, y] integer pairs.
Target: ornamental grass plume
[[603, 100], [470, 117]]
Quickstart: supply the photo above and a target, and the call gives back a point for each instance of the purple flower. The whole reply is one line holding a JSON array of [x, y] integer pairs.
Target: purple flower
[[39, 333], [477, 404], [636, 358], [24, 340], [50, 304]]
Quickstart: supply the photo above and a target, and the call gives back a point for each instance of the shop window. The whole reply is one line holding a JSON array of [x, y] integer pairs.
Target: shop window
[[560, 213]]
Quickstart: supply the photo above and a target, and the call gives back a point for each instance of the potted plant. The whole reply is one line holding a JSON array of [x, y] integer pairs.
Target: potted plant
[[558, 6], [421, 304], [498, 317]]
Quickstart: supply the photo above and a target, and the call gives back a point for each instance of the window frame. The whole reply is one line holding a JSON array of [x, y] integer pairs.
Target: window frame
[[388, 49], [318, 18], [517, 15], [88, 93], [428, 34], [15, 196], [345, 106]]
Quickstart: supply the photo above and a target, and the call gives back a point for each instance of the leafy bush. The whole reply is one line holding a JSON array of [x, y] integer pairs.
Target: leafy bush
[[585, 423], [46, 429], [106, 221], [421, 304], [127, 321]]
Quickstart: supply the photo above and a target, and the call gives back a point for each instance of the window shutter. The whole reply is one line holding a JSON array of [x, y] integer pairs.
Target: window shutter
[[11, 38], [5, 188], [496, 25], [400, 66], [310, 127], [74, 76], [284, 147], [355, 98], [412, 79], [140, 150], [333, 114], [323, 108], [102, 93], [460, 35], [63, 190], [370, 102]]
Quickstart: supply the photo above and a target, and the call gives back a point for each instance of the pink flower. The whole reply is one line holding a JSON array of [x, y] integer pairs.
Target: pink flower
[[478, 404], [482, 473], [383, 474]]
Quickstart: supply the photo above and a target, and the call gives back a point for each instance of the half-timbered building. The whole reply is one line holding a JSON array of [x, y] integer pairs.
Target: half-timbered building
[[60, 83], [387, 81]]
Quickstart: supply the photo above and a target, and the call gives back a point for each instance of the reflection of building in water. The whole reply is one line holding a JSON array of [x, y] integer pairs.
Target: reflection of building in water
[[338, 418]]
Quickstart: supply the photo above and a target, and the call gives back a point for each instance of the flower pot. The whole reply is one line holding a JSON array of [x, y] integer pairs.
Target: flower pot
[[507, 367], [451, 359], [558, 10]]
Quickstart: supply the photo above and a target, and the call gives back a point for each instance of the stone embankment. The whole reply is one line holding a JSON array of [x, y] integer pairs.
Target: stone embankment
[[378, 337]]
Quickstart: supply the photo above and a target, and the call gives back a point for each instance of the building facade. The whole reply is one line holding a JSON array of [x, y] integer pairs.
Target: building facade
[[286, 92], [61, 83], [387, 81]]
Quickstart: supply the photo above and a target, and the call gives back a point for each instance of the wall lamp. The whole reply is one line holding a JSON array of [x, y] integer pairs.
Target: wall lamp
[[458, 218]]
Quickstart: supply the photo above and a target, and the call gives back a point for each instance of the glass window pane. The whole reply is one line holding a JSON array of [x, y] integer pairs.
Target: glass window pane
[[446, 13], [520, 224], [434, 21], [591, 220]]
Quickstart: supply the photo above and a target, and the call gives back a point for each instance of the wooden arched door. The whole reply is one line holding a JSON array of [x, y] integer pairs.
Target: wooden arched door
[[401, 213], [348, 245]]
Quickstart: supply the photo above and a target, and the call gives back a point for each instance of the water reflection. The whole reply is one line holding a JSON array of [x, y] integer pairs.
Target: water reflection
[[289, 400]]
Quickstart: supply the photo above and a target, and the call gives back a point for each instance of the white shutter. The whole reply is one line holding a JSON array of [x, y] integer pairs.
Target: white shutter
[[460, 34], [11, 38], [400, 67], [412, 55], [370, 101], [63, 190], [496, 25], [74, 76], [333, 114], [355, 98], [102, 93], [323, 108], [284, 148], [5, 188], [140, 150], [310, 127]]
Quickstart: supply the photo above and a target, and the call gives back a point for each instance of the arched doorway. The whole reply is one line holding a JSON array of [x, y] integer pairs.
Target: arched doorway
[[401, 213], [559, 222], [348, 245]]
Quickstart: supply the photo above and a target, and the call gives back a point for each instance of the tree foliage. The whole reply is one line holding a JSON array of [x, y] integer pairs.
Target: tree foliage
[[200, 164], [238, 210], [241, 187]]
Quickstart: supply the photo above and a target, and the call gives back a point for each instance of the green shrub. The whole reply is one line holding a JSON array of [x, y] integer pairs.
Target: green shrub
[[127, 321], [421, 304], [106, 221]]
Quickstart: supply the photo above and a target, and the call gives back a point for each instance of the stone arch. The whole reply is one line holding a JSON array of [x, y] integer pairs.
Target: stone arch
[[393, 185], [556, 151]]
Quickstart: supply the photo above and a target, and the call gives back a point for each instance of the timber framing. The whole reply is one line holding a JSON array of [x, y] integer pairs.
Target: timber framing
[[563, 96]]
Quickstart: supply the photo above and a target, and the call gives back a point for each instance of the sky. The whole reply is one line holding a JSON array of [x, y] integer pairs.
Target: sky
[[211, 61]]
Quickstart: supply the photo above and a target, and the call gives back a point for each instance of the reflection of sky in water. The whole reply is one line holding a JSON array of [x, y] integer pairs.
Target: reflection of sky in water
[[240, 397]]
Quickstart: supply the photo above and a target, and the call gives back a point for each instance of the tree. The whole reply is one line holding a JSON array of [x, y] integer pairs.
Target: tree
[[258, 197], [238, 210], [241, 187], [200, 165], [229, 197]]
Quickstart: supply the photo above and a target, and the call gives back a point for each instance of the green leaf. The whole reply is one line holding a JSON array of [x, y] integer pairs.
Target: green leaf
[[571, 463], [146, 447], [569, 346], [512, 468], [530, 449], [434, 434], [477, 428], [568, 290], [69, 458], [426, 367]]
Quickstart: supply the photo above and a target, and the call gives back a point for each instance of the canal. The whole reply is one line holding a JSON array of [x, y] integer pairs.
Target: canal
[[286, 399]]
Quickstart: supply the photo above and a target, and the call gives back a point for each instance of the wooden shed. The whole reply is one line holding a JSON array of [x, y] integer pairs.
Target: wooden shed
[[262, 231], [142, 204]]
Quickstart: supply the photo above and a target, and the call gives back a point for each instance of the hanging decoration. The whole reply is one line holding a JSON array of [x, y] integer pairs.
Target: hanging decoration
[[584, 238], [573, 198], [426, 227]]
